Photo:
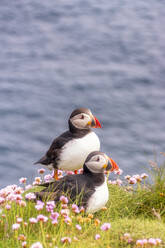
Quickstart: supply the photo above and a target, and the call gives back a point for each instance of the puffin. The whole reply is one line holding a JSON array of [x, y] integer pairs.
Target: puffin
[[89, 189], [69, 150]]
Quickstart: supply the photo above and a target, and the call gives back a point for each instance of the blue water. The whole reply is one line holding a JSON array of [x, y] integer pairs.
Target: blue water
[[59, 55]]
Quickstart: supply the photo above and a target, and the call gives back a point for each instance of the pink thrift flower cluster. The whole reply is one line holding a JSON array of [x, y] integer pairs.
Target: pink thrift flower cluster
[[16, 226], [41, 171], [97, 236], [66, 240], [37, 180], [54, 216], [151, 241], [33, 220], [105, 226], [12, 193], [136, 178], [42, 218], [64, 199], [30, 196], [23, 180], [75, 209], [50, 205], [39, 206], [36, 245]]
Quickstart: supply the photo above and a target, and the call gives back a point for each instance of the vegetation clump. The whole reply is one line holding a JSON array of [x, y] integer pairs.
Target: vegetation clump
[[134, 216]]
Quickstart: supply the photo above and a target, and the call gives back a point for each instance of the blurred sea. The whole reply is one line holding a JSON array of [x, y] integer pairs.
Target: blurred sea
[[59, 55]]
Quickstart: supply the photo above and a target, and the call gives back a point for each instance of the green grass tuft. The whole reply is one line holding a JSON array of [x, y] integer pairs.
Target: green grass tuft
[[138, 210]]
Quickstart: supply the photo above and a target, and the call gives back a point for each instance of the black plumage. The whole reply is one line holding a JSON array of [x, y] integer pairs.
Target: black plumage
[[52, 156], [80, 122], [88, 189], [81, 185]]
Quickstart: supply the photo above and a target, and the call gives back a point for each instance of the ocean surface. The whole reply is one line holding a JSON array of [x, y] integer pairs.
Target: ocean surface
[[58, 55]]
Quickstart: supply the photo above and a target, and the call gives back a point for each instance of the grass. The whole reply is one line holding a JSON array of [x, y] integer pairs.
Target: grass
[[138, 210]]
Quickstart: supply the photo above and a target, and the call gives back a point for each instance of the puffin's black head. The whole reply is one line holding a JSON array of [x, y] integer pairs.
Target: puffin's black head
[[97, 162], [83, 119]]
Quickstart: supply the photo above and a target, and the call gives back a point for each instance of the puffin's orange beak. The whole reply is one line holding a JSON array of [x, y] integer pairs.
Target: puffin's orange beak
[[97, 123], [114, 165]]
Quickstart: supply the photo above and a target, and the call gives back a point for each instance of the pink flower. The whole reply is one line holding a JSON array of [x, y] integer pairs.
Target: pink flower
[[42, 218], [141, 242], [8, 207], [144, 175], [75, 208], [80, 171], [127, 235], [41, 171], [130, 240], [66, 240], [152, 241], [64, 199], [138, 178], [18, 190], [37, 181], [39, 206], [2, 200], [22, 203], [54, 215], [68, 220], [23, 180], [78, 227], [105, 226], [36, 245], [15, 226], [24, 244], [64, 212], [55, 222], [33, 220], [82, 209], [29, 186], [69, 172], [30, 196], [19, 220], [158, 241], [119, 172], [119, 182], [48, 178], [132, 180], [127, 177], [18, 197], [144, 241], [50, 206], [64, 206], [97, 236]]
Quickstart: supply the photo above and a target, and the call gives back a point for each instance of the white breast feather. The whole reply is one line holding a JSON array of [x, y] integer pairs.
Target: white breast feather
[[76, 151], [99, 198]]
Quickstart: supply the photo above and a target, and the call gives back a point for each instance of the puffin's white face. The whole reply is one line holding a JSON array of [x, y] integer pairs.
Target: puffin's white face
[[98, 163], [81, 121]]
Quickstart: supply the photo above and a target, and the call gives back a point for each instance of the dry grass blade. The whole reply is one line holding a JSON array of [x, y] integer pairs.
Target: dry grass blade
[[156, 214]]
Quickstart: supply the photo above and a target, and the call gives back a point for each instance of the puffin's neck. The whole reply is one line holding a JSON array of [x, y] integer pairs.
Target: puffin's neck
[[74, 130], [97, 178]]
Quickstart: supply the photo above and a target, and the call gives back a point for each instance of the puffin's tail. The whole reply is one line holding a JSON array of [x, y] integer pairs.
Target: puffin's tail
[[45, 196], [44, 160]]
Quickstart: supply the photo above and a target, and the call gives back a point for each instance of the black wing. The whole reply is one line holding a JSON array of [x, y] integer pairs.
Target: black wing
[[52, 156], [75, 187]]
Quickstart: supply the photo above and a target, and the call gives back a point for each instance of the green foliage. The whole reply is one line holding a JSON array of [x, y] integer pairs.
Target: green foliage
[[138, 210]]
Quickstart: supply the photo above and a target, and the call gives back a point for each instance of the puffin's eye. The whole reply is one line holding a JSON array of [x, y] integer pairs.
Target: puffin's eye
[[98, 159]]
